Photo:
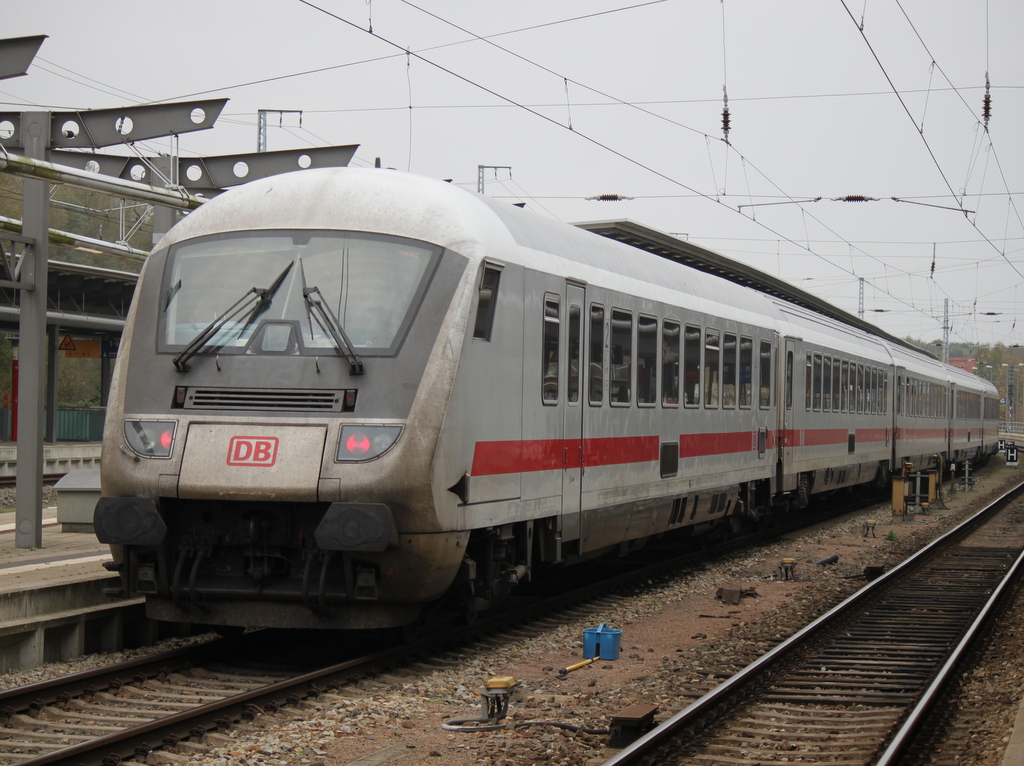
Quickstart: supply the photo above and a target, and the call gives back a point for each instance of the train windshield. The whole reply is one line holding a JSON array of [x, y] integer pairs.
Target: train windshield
[[371, 283]]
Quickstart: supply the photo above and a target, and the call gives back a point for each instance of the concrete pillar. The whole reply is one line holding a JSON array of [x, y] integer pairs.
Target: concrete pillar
[[35, 128]]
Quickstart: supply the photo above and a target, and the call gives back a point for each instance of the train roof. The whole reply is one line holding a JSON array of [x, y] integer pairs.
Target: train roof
[[430, 210], [702, 259]]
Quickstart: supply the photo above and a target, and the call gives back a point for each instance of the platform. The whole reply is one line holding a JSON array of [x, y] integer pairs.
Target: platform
[[52, 605], [59, 458]]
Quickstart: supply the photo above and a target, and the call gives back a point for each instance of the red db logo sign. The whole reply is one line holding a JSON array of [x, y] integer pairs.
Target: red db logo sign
[[253, 450]]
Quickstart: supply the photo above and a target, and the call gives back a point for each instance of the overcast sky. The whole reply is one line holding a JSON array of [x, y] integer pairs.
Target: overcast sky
[[828, 98]]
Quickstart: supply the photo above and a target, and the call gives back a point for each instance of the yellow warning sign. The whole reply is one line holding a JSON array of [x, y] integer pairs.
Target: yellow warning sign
[[83, 349], [66, 344]]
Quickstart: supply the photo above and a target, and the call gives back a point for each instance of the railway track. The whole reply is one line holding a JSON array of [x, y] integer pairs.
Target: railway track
[[186, 702], [854, 686], [194, 695]]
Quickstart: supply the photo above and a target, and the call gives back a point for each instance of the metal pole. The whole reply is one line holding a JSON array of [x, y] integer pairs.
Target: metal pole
[[32, 345], [945, 331], [480, 174], [163, 217]]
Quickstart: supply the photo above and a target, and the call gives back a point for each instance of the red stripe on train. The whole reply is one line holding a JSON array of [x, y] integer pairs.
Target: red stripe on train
[[695, 445], [495, 458]]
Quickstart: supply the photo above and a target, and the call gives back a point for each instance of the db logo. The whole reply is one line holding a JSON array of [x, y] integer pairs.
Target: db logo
[[253, 450]]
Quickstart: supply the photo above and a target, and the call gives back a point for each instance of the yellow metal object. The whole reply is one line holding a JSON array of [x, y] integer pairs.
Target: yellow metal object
[[577, 666], [789, 561], [500, 682]]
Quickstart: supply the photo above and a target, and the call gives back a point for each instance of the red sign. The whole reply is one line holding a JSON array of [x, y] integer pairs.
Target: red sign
[[260, 451]]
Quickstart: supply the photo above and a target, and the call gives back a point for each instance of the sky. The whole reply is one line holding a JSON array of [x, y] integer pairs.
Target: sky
[[565, 100]]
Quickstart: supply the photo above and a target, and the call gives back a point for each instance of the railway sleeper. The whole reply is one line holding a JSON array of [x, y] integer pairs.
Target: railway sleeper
[[82, 715], [843, 713], [830, 735], [60, 725], [91, 708], [129, 696]]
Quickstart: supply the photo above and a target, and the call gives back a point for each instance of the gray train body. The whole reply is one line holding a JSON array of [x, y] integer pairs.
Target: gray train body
[[420, 393]]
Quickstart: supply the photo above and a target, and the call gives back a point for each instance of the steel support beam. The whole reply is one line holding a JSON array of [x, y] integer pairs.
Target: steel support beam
[[33, 167], [16, 54], [80, 241], [32, 347]]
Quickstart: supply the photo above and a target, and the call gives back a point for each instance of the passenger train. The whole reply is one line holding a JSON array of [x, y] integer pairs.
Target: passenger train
[[343, 395]]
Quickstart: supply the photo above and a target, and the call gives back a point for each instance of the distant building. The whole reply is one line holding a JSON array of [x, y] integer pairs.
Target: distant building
[[967, 363]]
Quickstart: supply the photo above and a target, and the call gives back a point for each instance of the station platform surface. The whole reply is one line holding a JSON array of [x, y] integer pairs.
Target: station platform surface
[[58, 458], [65, 556], [53, 600]]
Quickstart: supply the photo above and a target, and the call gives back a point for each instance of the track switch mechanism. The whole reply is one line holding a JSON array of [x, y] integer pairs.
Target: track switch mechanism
[[494, 697]]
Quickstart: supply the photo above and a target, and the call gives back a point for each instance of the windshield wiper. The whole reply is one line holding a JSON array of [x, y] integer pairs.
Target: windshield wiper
[[332, 324], [264, 302], [258, 298]]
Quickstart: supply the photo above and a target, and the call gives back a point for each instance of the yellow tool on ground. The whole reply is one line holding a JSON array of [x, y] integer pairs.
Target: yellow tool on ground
[[577, 666]]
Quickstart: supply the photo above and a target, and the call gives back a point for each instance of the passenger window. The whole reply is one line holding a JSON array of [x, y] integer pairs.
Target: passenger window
[[860, 388], [729, 371], [574, 354], [766, 375], [670, 364], [869, 392], [845, 387], [808, 383], [826, 384], [711, 360], [691, 366], [646, 360], [789, 380], [487, 300], [746, 371], [552, 329], [621, 362], [817, 382], [835, 385], [596, 353]]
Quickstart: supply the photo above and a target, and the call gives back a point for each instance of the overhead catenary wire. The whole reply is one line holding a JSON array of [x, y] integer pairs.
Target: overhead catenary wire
[[521, 105], [807, 239], [920, 131]]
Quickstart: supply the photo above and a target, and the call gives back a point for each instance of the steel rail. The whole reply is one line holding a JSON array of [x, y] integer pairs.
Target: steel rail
[[216, 715], [660, 735], [49, 691], [932, 695]]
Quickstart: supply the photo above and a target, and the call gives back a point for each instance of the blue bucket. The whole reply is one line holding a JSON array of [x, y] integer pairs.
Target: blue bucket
[[609, 642], [602, 641], [590, 635]]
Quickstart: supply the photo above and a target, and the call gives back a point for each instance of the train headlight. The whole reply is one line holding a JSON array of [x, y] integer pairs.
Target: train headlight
[[365, 442], [150, 438]]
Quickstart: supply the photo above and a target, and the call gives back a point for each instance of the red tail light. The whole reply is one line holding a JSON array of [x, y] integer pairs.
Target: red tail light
[[365, 442]]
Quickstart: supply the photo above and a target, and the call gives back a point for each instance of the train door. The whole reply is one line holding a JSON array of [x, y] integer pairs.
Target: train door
[[900, 407], [950, 422], [786, 441], [572, 474]]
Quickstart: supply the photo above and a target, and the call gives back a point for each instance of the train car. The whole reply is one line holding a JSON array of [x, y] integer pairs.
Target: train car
[[344, 395], [837, 414]]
